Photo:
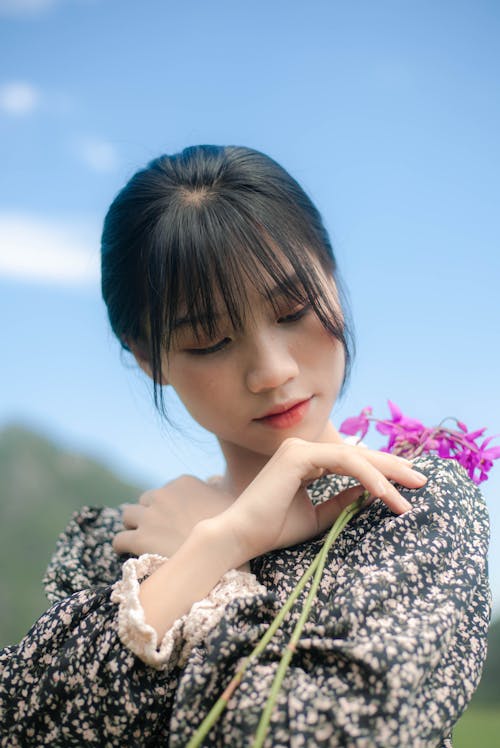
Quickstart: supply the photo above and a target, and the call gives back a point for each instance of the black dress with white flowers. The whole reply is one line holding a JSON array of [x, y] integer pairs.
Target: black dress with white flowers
[[390, 656]]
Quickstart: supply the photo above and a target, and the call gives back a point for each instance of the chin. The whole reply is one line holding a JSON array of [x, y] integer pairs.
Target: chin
[[269, 445]]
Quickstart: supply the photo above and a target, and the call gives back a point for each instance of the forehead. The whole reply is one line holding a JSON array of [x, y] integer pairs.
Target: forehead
[[232, 277], [252, 296]]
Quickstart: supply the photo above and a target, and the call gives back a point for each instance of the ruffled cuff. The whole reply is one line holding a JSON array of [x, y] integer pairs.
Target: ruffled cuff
[[187, 631]]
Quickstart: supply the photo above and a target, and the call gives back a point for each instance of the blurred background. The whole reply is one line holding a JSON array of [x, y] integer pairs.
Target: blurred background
[[388, 114]]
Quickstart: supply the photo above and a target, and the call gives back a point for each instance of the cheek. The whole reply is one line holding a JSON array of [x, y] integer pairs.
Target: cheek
[[321, 345], [200, 385], [326, 356]]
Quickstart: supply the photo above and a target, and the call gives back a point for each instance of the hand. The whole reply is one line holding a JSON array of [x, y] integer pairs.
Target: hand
[[275, 511], [164, 517]]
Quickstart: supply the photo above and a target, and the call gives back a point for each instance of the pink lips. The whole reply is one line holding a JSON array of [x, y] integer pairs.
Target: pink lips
[[286, 415]]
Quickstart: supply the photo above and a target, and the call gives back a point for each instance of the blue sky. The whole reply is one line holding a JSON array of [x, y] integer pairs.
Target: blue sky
[[388, 113]]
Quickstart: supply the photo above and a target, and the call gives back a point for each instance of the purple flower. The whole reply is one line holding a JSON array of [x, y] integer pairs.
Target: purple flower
[[409, 437], [403, 432], [485, 463], [403, 422], [444, 445], [352, 426]]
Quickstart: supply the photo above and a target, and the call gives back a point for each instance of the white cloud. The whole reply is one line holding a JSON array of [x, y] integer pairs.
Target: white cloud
[[24, 7], [33, 8], [98, 154], [37, 250], [18, 98]]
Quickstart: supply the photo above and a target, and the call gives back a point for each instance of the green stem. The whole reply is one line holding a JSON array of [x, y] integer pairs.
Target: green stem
[[221, 703], [319, 563], [320, 559]]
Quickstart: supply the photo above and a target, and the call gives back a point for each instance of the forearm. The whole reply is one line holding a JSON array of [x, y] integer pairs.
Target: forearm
[[189, 575]]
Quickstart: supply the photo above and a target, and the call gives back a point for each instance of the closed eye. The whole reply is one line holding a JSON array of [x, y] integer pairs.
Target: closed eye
[[209, 349], [221, 344], [295, 316]]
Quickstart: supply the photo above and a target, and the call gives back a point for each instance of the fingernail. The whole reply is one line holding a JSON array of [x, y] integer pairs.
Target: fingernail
[[406, 505], [421, 476]]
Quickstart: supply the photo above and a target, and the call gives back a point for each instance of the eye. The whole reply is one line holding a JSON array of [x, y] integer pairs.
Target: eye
[[295, 316], [209, 349]]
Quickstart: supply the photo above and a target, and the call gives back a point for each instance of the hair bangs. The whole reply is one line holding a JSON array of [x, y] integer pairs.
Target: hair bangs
[[223, 252], [212, 247], [281, 262]]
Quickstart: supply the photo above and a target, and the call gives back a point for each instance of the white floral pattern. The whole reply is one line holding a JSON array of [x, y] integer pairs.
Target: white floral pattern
[[390, 656]]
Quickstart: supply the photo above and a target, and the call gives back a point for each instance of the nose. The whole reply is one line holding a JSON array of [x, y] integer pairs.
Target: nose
[[271, 364]]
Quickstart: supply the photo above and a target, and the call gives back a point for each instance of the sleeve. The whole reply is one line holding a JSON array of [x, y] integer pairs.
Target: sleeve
[[72, 682], [394, 648], [191, 629], [90, 672]]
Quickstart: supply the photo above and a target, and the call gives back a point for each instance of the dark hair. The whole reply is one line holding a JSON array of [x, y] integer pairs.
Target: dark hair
[[194, 223]]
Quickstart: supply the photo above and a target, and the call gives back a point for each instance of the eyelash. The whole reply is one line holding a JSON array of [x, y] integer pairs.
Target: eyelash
[[294, 317], [211, 349]]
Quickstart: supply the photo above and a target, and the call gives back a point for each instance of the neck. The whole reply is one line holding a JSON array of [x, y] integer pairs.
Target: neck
[[242, 465]]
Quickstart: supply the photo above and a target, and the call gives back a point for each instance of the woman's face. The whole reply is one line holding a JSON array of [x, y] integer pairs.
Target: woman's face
[[277, 377]]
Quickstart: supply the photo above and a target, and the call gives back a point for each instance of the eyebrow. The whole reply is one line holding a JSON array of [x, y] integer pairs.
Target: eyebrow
[[276, 291]]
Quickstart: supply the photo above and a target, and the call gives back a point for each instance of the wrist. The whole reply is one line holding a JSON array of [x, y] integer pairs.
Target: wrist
[[219, 537], [189, 575]]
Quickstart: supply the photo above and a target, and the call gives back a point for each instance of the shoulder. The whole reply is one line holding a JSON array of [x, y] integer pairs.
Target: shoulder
[[450, 505], [449, 490], [448, 486], [451, 514], [84, 556], [432, 557], [443, 538]]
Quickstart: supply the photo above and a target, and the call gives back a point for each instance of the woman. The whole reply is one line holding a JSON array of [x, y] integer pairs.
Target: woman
[[220, 279]]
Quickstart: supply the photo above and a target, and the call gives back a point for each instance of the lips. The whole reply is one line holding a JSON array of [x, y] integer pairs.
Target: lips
[[283, 408], [285, 415]]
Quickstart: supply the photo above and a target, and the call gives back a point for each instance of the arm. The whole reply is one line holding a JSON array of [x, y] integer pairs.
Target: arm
[[72, 672], [394, 647], [273, 512], [189, 575], [72, 680]]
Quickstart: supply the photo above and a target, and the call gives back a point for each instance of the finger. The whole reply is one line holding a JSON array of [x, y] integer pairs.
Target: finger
[[132, 515], [125, 542], [351, 461], [396, 469], [379, 487], [147, 498]]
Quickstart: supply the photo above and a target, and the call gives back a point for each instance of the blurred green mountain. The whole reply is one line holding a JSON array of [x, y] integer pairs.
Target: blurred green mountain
[[41, 485], [488, 693]]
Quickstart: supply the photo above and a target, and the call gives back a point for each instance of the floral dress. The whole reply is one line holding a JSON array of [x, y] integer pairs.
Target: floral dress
[[390, 655]]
